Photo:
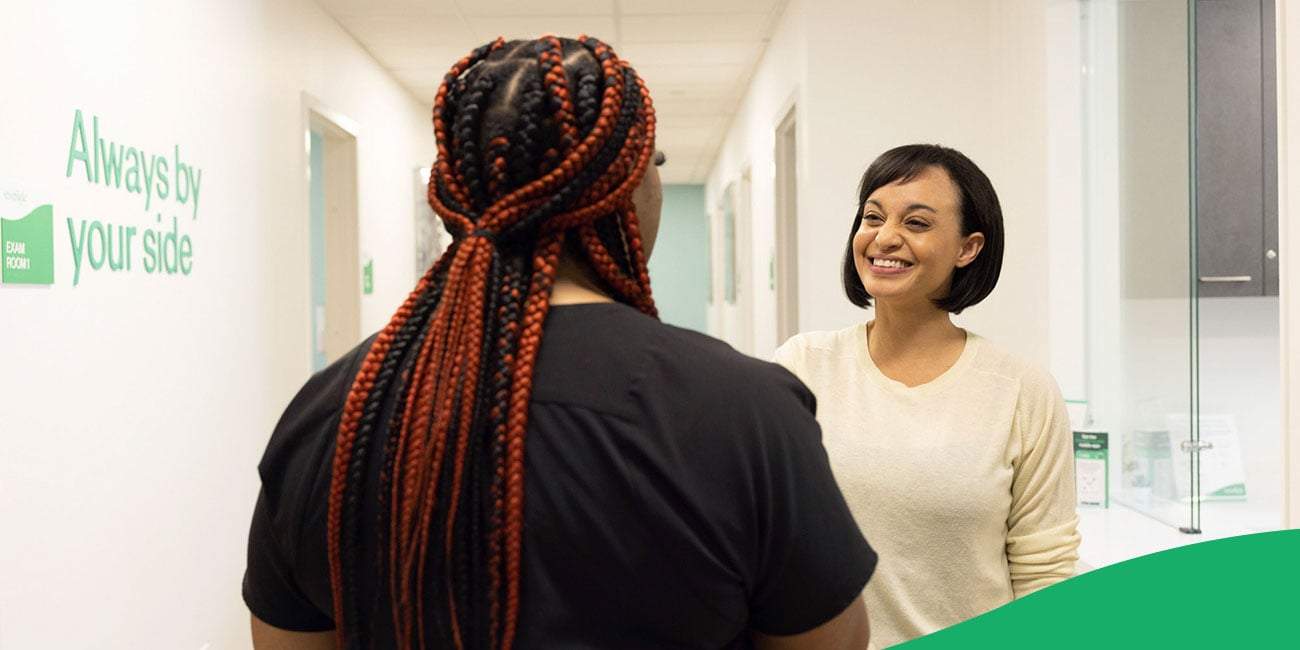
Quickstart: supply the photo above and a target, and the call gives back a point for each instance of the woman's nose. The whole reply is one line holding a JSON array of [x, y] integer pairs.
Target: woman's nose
[[887, 236]]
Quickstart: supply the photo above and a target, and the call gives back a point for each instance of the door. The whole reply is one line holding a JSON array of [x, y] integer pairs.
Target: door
[[786, 263], [335, 252]]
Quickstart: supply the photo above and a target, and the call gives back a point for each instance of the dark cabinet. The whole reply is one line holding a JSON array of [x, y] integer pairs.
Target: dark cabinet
[[1236, 148]]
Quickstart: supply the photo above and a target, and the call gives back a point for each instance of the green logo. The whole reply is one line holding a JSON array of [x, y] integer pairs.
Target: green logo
[[27, 248], [368, 278]]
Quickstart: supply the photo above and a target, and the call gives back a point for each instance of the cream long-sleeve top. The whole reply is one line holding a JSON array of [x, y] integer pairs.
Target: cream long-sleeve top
[[963, 485]]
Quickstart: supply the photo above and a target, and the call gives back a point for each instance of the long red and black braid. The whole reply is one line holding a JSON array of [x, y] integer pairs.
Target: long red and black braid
[[539, 143]]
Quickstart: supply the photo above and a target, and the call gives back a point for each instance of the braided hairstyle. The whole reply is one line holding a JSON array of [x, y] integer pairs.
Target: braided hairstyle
[[540, 146]]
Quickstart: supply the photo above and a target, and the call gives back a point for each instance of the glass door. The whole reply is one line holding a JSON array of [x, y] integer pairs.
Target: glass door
[[1140, 244], [1238, 404]]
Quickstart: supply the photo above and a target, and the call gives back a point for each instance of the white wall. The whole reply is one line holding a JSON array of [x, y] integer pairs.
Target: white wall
[[870, 76], [777, 85], [1067, 312], [134, 407]]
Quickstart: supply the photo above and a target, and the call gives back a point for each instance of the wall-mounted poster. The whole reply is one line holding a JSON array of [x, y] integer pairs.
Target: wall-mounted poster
[[27, 236], [711, 237], [729, 243], [431, 236]]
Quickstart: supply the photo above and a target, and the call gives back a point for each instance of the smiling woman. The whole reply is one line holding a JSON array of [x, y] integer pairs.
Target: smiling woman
[[905, 248], [953, 455], [960, 198]]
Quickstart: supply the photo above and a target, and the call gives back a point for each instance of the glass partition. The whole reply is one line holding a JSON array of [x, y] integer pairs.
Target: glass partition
[[1238, 403], [1140, 167]]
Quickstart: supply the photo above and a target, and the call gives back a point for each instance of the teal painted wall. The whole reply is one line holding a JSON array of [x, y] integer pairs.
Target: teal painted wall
[[679, 265]]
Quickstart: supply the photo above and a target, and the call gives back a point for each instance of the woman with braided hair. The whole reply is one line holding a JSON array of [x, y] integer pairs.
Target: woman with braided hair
[[525, 456]]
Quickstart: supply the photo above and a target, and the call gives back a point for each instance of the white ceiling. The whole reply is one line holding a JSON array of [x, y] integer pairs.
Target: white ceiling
[[696, 56]]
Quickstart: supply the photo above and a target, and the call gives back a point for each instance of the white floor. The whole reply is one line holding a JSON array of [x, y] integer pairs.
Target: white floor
[[1119, 533]]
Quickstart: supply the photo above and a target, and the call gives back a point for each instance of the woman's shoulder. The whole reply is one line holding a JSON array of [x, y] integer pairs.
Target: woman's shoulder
[[720, 365], [673, 359], [1027, 375], [801, 345], [306, 429]]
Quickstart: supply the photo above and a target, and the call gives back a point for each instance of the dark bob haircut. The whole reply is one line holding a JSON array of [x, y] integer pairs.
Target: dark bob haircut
[[979, 209]]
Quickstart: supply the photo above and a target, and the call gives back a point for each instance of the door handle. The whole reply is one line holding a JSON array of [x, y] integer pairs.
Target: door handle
[[1225, 278]]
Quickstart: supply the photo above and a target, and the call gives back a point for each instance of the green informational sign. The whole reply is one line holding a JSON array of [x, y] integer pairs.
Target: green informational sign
[[1092, 468], [27, 247], [167, 185], [368, 278]]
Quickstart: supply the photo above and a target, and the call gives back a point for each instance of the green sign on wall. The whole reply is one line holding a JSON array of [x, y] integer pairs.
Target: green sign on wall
[[26, 240], [169, 184]]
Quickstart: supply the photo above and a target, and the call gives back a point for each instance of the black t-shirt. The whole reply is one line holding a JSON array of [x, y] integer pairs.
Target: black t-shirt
[[676, 495]]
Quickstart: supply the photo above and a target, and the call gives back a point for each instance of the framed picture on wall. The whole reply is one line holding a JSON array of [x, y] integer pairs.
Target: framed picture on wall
[[431, 237], [709, 238], [729, 243]]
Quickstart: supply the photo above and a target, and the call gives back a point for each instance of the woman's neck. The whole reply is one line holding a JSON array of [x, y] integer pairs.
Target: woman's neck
[[915, 324], [575, 283], [913, 344]]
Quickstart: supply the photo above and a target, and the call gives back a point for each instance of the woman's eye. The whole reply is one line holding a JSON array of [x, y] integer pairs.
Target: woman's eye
[[917, 224], [872, 219]]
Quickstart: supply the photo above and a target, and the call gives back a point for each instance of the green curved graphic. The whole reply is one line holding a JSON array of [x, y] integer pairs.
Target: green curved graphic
[[1239, 592], [27, 248]]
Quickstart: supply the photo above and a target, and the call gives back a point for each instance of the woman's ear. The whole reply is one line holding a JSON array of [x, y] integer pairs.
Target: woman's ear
[[970, 249]]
